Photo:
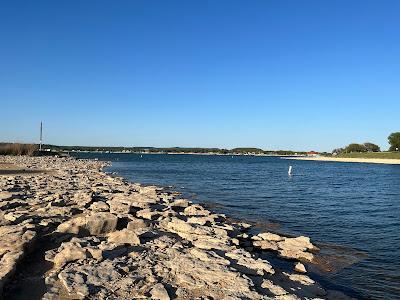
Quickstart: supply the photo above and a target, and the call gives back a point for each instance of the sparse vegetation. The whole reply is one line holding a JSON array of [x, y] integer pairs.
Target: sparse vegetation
[[18, 149], [385, 155]]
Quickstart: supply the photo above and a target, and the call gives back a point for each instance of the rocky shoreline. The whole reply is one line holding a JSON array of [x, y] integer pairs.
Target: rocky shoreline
[[95, 236]]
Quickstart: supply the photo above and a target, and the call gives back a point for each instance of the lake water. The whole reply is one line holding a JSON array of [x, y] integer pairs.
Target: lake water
[[351, 210]]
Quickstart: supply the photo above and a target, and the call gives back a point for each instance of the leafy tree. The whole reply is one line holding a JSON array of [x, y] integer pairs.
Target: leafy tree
[[394, 141], [337, 151], [355, 148], [370, 147]]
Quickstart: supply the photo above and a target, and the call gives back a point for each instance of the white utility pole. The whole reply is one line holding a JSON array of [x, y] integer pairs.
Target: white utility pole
[[41, 136]]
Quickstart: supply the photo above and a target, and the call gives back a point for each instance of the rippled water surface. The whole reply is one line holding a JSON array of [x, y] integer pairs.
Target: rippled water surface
[[352, 208]]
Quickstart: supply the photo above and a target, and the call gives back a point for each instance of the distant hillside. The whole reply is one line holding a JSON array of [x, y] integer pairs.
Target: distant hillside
[[247, 150]]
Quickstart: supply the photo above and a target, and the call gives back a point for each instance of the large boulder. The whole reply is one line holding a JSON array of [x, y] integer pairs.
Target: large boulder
[[94, 224], [122, 237], [70, 251], [136, 224]]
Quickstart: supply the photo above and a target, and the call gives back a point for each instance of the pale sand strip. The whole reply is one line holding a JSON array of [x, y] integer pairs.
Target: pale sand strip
[[350, 160]]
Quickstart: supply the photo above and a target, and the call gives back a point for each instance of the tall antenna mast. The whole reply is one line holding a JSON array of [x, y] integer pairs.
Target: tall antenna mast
[[41, 136]]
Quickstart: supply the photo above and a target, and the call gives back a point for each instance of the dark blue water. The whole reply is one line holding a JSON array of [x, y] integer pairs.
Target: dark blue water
[[352, 210]]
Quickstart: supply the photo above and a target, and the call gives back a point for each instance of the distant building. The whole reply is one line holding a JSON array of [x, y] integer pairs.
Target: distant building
[[312, 153]]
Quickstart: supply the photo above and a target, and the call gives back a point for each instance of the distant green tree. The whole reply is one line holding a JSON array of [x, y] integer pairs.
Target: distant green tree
[[247, 150], [394, 141], [355, 148], [337, 151], [370, 147]]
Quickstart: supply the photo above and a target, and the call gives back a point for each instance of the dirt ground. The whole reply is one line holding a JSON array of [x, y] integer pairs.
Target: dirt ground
[[11, 169]]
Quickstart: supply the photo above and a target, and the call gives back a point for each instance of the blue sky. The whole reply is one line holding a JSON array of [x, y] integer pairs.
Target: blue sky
[[271, 74]]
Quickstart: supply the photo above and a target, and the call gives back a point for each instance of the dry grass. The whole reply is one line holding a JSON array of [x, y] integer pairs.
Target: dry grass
[[18, 149], [386, 155]]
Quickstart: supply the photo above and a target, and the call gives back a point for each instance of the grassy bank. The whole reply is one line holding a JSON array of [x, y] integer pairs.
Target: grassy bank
[[376, 155], [17, 149]]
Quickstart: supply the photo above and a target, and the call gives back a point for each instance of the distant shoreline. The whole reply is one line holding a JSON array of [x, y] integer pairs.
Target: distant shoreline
[[387, 161], [183, 153]]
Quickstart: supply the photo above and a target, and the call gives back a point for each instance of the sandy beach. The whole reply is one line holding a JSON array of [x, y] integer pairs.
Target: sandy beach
[[350, 160], [77, 233]]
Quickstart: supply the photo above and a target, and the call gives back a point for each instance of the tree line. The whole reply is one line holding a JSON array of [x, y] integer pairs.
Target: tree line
[[393, 139]]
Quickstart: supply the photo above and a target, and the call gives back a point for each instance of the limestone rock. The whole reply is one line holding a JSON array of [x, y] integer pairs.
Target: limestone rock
[[195, 279], [148, 214], [268, 236], [209, 256], [124, 236], [5, 196], [182, 203], [99, 206], [159, 292], [299, 267], [195, 210], [119, 207], [15, 242], [273, 288], [136, 224], [76, 226], [82, 199], [70, 252], [296, 248], [303, 279], [265, 245], [94, 224], [249, 265], [201, 220]]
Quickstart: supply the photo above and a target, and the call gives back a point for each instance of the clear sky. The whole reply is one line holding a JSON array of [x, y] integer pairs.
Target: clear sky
[[278, 74]]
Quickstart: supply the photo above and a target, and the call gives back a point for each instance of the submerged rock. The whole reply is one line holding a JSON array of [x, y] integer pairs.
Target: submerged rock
[[296, 248]]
